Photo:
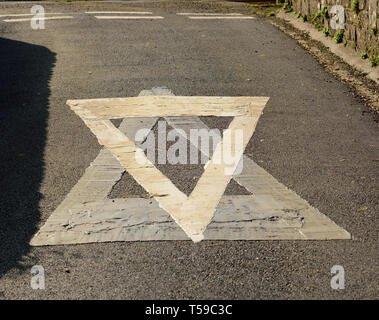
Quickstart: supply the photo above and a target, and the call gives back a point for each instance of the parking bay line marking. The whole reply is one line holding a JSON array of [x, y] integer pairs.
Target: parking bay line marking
[[45, 18], [272, 213]]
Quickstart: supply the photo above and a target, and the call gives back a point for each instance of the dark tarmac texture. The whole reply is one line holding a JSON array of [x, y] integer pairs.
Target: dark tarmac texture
[[315, 137]]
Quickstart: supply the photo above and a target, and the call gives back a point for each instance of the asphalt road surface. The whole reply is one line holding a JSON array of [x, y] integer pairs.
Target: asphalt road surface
[[315, 137]]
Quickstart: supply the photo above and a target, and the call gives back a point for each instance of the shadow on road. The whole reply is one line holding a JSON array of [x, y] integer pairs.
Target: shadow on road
[[25, 72]]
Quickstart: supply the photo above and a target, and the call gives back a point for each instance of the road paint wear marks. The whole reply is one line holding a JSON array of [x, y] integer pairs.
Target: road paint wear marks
[[157, 106], [272, 212]]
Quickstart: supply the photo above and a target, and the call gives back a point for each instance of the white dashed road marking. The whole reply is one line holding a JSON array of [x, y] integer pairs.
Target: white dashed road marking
[[214, 16], [224, 18], [128, 17], [24, 14], [118, 12], [208, 14], [45, 18]]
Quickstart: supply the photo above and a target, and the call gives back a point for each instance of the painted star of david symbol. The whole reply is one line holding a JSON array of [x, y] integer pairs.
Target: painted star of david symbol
[[90, 214]]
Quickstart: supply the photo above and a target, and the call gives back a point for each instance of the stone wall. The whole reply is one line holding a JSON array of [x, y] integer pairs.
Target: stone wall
[[361, 25]]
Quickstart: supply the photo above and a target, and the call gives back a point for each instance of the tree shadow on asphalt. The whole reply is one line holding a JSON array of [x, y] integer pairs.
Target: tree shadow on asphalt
[[25, 72]]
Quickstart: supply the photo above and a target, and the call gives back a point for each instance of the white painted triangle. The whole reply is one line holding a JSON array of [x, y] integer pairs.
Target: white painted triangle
[[87, 215], [195, 212]]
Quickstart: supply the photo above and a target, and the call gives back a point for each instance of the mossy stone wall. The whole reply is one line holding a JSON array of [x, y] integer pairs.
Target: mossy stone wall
[[361, 25]]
